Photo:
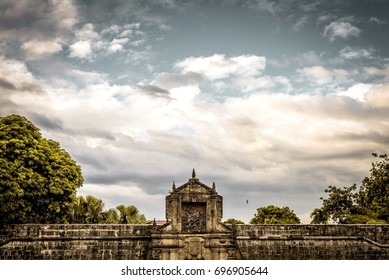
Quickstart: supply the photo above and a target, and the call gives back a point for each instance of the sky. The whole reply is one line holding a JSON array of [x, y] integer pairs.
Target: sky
[[272, 100]]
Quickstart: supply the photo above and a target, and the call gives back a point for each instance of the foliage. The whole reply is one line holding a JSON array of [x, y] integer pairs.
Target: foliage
[[89, 210], [374, 194], [130, 215], [111, 216], [38, 179], [275, 215], [350, 205], [79, 209], [232, 221]]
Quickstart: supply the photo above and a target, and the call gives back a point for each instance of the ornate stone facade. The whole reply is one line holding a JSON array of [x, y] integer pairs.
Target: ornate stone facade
[[194, 229]]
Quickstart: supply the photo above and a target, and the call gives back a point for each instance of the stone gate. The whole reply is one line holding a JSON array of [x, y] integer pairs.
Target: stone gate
[[194, 229]]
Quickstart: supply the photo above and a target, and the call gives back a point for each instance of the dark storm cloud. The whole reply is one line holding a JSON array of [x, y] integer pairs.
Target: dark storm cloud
[[154, 91], [25, 21], [45, 122], [6, 85], [37, 19]]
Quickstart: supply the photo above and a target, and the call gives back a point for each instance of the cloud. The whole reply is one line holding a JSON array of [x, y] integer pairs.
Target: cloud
[[301, 22], [321, 75], [378, 97], [170, 80], [354, 53], [15, 76], [154, 90], [126, 39], [18, 87], [274, 146], [37, 29], [378, 21], [375, 71], [357, 91], [340, 29], [117, 45], [80, 49], [249, 84], [244, 73], [86, 32], [34, 50], [218, 66]]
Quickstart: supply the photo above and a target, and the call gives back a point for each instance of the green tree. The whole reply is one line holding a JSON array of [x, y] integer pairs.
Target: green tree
[[130, 215], [111, 216], [319, 216], [338, 207], [38, 179], [94, 206], [232, 221], [79, 210], [374, 192], [275, 215], [350, 205], [88, 210]]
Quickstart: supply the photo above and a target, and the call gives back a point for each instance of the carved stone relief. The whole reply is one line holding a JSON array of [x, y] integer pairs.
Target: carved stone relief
[[193, 217]]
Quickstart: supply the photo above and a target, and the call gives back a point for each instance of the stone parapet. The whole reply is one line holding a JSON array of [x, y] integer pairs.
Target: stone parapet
[[312, 242], [74, 241]]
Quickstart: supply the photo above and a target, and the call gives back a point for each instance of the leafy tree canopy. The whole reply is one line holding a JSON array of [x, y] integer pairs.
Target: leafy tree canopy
[[275, 215], [130, 215], [232, 221], [38, 179], [89, 210], [353, 205]]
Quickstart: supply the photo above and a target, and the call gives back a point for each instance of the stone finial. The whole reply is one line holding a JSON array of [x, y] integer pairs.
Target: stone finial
[[213, 186], [154, 223], [174, 186], [193, 174]]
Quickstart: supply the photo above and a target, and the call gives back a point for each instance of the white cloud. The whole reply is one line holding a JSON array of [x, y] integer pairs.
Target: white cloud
[[80, 49], [274, 146], [249, 84], [265, 6], [87, 78], [219, 67], [14, 75], [38, 49], [357, 91], [86, 33], [310, 58], [377, 20], [375, 71], [325, 18], [117, 45], [354, 53], [113, 39], [321, 75], [301, 22], [378, 96], [37, 28], [243, 73], [341, 29]]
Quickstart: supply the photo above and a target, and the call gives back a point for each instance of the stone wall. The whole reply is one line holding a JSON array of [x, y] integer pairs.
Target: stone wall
[[74, 242], [312, 241], [138, 242]]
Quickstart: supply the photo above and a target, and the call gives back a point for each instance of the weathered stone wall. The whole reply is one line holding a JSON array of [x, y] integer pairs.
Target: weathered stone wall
[[75, 241], [312, 241], [138, 242]]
